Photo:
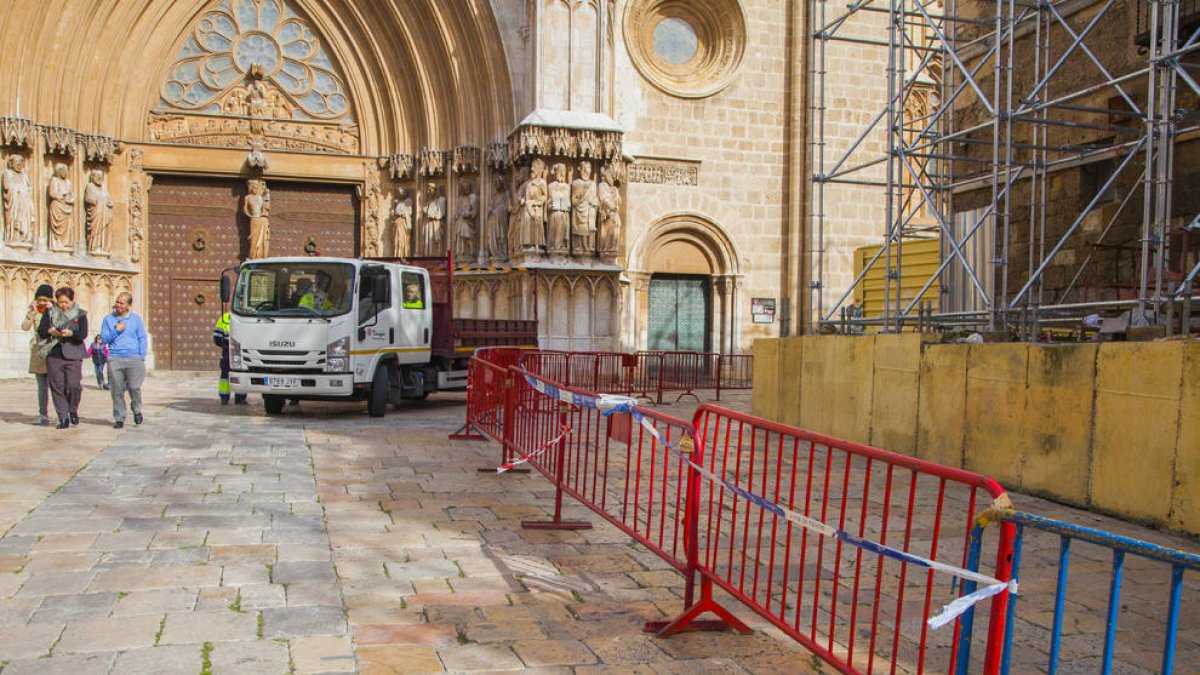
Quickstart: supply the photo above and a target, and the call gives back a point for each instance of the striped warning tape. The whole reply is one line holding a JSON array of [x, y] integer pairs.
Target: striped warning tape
[[608, 404]]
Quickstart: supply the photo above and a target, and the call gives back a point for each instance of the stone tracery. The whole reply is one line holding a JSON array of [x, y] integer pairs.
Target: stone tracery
[[212, 70]]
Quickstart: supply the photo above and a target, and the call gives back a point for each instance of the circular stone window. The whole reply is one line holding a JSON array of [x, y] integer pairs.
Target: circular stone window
[[687, 48]]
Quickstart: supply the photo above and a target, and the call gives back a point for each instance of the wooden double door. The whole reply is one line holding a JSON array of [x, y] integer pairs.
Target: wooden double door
[[197, 230]]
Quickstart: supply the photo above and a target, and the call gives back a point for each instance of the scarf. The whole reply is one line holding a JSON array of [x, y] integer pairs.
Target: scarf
[[58, 319]]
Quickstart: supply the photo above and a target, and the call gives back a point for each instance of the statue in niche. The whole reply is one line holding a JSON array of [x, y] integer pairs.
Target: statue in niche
[[257, 207], [435, 220], [531, 220], [98, 211], [493, 241], [610, 213], [558, 219], [61, 196], [18, 203], [372, 244], [584, 201], [466, 213], [137, 210], [516, 206], [402, 222]]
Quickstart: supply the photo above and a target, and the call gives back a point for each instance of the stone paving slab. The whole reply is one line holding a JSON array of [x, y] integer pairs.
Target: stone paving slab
[[326, 541]]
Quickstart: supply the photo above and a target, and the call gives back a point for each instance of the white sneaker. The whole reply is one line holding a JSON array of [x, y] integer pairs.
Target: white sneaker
[[42, 420]]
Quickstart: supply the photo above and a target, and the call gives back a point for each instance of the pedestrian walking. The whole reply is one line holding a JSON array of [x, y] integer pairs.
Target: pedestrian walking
[[43, 297], [99, 353], [63, 329], [125, 334], [220, 338]]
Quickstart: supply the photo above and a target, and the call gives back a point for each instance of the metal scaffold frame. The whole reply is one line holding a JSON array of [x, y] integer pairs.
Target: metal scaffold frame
[[1003, 63]]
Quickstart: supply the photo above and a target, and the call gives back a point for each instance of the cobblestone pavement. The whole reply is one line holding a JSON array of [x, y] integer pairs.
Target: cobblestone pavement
[[325, 541]]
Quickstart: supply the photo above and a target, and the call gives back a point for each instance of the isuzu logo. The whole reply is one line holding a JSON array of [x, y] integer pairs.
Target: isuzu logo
[[282, 343]]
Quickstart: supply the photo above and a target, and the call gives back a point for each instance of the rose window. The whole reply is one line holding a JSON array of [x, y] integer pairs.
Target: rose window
[[230, 42]]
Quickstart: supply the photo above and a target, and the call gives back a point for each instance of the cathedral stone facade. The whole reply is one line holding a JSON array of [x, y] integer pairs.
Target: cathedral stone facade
[[629, 172]]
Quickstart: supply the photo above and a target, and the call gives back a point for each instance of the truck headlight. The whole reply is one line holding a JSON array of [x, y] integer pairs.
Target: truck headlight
[[235, 354], [337, 356]]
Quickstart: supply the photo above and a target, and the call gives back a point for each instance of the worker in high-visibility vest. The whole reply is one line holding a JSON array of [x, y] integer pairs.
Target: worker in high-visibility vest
[[221, 339]]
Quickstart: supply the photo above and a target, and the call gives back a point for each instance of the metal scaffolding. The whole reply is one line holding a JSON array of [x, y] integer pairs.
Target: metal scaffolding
[[983, 105]]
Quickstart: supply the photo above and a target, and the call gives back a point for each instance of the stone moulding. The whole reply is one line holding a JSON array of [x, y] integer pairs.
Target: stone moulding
[[663, 171], [400, 166], [59, 140], [17, 131], [467, 159], [498, 156], [530, 141], [431, 163], [235, 132], [98, 148]]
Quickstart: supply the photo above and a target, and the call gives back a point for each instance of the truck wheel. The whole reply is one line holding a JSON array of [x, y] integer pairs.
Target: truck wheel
[[273, 404], [381, 386]]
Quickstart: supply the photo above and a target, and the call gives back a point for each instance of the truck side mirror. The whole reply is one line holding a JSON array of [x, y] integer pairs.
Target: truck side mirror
[[226, 291], [379, 288]]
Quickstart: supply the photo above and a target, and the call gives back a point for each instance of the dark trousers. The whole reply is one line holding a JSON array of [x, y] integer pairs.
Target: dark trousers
[[99, 374], [66, 385]]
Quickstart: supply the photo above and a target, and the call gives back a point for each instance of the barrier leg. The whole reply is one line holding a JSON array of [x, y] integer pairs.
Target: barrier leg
[[560, 468], [687, 621]]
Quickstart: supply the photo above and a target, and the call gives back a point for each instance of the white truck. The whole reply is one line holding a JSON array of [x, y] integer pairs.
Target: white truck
[[314, 328]]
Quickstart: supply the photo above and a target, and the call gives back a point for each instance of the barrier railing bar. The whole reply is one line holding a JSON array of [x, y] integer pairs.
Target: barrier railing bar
[[971, 502], [933, 555], [1168, 661], [1060, 597], [1114, 596], [837, 559], [1012, 603], [908, 521], [887, 512]]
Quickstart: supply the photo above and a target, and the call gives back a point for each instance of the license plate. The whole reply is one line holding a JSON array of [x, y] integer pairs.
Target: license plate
[[283, 382]]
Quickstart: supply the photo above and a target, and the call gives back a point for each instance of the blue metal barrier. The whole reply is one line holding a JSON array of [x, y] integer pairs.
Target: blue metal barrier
[[1179, 562]]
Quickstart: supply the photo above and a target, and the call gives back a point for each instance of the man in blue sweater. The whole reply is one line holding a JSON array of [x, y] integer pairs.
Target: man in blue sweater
[[125, 334]]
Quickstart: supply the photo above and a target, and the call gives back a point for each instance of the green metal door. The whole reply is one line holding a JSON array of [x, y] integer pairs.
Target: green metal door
[[678, 313]]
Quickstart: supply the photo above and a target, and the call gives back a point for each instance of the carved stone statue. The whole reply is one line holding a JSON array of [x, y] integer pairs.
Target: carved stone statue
[[558, 220], [531, 220], [516, 207], [18, 203], [493, 241], [372, 241], [61, 196], [257, 207], [435, 220], [137, 210], [402, 222], [584, 201], [610, 214], [466, 214], [98, 209]]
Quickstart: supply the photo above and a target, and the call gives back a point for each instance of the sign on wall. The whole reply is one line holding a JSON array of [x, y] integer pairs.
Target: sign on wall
[[762, 310]]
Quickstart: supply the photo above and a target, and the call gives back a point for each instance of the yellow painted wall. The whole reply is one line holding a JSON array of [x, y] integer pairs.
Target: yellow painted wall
[[1114, 427]]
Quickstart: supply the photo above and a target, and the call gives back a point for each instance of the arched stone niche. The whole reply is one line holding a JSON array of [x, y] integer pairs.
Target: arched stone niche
[[691, 244]]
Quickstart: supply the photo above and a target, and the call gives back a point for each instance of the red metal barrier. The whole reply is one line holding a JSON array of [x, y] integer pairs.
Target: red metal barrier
[[717, 519], [615, 467], [836, 599], [734, 371]]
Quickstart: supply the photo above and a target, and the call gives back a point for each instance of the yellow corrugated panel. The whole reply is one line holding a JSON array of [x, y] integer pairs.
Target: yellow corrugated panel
[[921, 259]]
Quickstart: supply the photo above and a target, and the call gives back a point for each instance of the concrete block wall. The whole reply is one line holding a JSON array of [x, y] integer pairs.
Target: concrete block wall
[[1111, 427]]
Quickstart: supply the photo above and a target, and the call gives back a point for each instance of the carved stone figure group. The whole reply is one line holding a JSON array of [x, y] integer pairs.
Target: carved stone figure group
[[579, 218], [19, 210]]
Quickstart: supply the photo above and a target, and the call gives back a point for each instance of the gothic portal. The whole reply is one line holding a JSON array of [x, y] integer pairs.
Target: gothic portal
[[572, 155]]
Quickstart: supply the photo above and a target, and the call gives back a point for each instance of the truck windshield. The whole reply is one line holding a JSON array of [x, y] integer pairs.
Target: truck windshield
[[294, 289]]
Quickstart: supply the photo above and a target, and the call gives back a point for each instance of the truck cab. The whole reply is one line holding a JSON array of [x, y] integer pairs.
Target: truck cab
[[331, 329]]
